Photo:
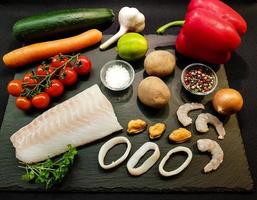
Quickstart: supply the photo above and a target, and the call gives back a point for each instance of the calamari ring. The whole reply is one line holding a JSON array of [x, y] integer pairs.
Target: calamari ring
[[139, 154], [110, 144], [179, 169]]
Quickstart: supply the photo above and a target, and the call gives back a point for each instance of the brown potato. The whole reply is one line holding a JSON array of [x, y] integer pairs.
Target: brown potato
[[153, 92], [160, 63]]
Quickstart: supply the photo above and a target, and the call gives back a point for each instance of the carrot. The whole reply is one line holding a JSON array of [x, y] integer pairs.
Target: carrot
[[43, 50]]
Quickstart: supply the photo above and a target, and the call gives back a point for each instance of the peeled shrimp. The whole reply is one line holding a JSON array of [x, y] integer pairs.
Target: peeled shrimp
[[214, 148], [183, 111], [202, 121]]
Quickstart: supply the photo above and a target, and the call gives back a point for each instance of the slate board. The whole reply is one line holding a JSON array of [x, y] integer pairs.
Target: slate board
[[86, 175]]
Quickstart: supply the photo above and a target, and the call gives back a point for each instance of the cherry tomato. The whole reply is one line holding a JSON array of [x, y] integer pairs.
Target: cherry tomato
[[58, 61], [83, 65], [23, 103], [56, 88], [68, 76], [43, 70], [15, 88], [41, 100], [28, 79]]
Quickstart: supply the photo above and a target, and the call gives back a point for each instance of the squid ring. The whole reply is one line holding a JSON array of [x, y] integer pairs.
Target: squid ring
[[179, 169], [139, 154], [110, 144]]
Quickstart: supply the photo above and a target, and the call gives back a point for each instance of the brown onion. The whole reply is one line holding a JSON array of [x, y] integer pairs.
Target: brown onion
[[227, 101]]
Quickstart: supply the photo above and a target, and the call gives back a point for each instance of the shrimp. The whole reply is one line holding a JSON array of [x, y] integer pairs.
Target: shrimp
[[183, 111], [204, 118], [214, 148]]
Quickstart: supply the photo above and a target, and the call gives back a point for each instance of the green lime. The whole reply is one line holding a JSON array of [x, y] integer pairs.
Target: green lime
[[132, 46]]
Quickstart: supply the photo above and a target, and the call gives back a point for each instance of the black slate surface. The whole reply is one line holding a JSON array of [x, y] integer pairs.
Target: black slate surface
[[86, 175]]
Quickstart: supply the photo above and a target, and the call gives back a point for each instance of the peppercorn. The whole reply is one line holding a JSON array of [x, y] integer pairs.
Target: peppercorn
[[199, 80]]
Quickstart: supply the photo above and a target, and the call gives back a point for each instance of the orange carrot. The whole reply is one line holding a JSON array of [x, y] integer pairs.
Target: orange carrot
[[43, 50]]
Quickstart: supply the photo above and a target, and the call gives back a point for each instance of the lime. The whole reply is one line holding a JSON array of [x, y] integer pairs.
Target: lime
[[132, 46]]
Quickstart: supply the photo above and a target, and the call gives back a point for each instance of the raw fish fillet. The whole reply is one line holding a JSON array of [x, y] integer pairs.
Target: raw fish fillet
[[82, 119]]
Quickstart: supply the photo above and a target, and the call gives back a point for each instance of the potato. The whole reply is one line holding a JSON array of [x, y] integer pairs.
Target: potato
[[153, 92], [159, 63]]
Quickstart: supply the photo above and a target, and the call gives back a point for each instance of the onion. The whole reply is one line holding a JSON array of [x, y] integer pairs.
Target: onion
[[227, 101]]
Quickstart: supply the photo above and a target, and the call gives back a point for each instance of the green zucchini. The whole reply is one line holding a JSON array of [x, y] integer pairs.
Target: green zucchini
[[60, 22]]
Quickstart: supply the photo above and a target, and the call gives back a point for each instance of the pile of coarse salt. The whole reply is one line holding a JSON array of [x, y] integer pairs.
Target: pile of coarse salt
[[117, 76]]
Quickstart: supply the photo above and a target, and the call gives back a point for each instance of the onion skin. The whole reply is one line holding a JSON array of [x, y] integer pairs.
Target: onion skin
[[227, 101]]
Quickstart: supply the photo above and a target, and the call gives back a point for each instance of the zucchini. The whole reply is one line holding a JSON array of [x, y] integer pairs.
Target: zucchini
[[60, 22]]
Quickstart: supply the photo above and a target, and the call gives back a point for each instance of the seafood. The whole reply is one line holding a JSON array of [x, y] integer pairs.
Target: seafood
[[214, 148], [107, 146], [183, 111], [134, 159], [156, 130], [84, 118], [179, 169], [136, 126], [180, 135], [202, 121]]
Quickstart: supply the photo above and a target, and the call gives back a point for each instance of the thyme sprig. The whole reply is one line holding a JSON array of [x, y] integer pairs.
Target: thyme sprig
[[50, 172]]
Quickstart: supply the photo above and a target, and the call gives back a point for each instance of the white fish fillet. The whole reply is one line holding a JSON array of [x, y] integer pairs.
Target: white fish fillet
[[84, 118]]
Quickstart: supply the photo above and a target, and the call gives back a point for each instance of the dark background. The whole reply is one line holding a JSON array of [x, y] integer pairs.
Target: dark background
[[241, 72]]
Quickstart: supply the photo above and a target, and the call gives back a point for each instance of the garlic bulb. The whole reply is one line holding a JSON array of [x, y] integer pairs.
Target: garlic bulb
[[131, 20]]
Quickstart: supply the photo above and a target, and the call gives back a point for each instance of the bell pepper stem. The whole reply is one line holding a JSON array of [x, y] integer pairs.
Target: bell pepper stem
[[163, 28]]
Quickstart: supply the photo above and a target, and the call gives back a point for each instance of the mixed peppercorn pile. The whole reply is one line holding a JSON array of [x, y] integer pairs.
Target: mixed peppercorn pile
[[199, 80]]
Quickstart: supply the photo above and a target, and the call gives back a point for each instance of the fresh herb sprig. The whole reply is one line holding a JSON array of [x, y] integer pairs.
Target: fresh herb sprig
[[50, 172]]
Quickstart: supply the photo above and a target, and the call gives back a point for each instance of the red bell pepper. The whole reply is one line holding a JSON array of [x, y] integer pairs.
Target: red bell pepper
[[211, 31]]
